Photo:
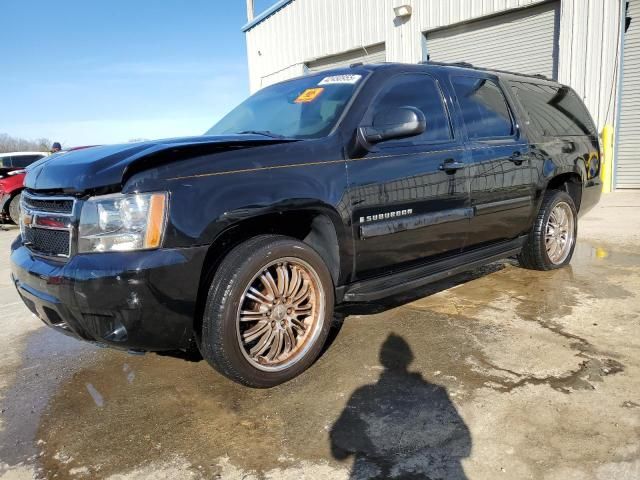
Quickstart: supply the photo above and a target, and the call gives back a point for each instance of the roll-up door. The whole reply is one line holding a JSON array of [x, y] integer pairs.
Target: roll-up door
[[628, 156], [523, 41]]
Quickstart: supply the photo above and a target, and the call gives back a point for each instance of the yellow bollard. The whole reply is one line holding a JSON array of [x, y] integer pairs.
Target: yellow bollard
[[607, 158]]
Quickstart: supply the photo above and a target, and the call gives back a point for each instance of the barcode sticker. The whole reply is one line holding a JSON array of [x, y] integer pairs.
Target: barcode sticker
[[348, 79]]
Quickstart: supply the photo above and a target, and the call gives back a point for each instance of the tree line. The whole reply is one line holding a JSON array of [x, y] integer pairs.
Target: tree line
[[12, 144]]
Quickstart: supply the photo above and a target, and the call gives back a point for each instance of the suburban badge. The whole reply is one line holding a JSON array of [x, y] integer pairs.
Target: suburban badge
[[386, 216]]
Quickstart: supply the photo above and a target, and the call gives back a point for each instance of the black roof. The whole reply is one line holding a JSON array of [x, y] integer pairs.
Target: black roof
[[456, 65], [391, 67]]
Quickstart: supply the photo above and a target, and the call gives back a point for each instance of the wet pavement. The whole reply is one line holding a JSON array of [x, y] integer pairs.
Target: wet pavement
[[497, 373]]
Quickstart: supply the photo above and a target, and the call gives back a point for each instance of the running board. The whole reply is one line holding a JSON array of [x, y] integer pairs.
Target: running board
[[381, 287]]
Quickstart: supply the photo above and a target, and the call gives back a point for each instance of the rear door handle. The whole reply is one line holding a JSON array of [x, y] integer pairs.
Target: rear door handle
[[451, 165], [516, 157]]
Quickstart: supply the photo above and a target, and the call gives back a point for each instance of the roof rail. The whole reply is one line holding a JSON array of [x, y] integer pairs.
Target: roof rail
[[450, 64], [357, 64], [489, 69]]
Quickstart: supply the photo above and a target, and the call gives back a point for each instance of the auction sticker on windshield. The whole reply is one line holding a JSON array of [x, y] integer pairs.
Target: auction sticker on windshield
[[309, 95], [349, 79]]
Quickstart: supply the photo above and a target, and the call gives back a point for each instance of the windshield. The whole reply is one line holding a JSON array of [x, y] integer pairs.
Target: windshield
[[307, 107]]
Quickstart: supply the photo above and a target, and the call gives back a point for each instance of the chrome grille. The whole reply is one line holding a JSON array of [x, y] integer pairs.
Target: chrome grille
[[51, 205], [47, 242], [47, 223]]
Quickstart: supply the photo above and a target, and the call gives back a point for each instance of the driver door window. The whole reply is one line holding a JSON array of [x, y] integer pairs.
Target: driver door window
[[423, 93]]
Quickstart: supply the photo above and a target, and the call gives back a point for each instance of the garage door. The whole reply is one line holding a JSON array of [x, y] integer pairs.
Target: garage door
[[524, 41], [371, 54], [628, 159]]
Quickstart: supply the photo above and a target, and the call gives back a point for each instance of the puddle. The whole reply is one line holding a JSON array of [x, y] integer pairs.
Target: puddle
[[498, 327], [48, 360], [131, 408], [595, 254]]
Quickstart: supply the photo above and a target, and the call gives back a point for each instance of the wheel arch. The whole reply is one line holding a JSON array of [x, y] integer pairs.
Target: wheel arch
[[319, 227], [570, 182]]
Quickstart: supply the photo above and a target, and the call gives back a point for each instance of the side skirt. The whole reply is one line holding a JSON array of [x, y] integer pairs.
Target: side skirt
[[381, 287]]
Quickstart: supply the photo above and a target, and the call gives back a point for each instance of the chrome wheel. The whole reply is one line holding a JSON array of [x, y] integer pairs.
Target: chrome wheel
[[560, 233], [280, 314]]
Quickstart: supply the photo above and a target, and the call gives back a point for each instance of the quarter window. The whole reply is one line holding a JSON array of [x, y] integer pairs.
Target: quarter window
[[423, 93], [554, 111], [484, 109]]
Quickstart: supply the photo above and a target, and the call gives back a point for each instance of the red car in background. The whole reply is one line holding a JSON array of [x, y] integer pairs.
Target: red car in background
[[12, 172]]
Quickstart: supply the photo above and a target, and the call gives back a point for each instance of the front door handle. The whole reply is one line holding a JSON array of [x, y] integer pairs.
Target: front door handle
[[451, 165]]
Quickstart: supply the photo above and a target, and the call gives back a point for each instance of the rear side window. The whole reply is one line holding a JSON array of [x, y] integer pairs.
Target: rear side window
[[25, 160], [484, 109], [422, 92], [554, 111], [5, 162]]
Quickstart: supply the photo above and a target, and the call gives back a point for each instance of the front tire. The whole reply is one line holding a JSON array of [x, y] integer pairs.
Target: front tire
[[552, 240], [14, 209], [268, 311]]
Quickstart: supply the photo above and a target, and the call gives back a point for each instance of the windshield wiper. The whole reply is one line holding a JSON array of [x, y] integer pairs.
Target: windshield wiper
[[265, 133]]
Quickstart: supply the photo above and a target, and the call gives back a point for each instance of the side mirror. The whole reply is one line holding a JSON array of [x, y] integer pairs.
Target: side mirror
[[393, 123]]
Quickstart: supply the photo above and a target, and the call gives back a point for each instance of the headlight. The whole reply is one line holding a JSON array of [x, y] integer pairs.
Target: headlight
[[122, 222]]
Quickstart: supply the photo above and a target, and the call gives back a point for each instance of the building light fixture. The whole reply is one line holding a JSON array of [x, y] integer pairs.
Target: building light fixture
[[403, 11]]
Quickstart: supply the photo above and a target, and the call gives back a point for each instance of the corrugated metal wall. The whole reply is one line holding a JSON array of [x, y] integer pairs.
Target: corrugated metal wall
[[305, 30], [370, 54], [589, 49]]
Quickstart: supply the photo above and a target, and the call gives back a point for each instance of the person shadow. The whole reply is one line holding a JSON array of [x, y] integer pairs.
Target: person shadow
[[402, 426]]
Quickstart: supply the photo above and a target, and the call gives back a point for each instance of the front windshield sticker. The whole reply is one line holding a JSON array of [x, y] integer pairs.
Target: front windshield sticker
[[309, 95], [350, 79]]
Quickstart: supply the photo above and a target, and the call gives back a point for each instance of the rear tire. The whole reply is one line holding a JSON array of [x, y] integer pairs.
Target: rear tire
[[14, 209], [268, 311], [551, 242]]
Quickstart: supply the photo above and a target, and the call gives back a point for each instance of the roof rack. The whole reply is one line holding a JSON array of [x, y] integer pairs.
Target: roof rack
[[474, 67]]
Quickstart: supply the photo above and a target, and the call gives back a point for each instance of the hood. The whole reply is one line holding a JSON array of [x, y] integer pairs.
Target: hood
[[108, 166]]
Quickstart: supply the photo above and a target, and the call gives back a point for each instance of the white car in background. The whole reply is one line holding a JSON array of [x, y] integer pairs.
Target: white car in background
[[14, 160]]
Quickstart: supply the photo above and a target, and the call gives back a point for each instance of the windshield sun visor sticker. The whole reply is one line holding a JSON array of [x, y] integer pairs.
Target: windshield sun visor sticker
[[350, 79], [309, 95]]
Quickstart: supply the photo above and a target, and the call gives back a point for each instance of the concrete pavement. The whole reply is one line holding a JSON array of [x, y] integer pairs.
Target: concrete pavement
[[497, 373]]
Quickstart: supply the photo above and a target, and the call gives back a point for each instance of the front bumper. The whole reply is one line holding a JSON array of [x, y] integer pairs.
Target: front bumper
[[130, 300]]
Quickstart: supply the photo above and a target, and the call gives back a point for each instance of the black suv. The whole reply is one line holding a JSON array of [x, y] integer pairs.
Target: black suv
[[348, 185]]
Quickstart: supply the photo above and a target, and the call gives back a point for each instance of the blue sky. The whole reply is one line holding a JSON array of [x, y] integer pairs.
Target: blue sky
[[87, 72]]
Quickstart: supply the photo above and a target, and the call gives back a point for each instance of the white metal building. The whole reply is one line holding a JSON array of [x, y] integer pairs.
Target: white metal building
[[581, 43]]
